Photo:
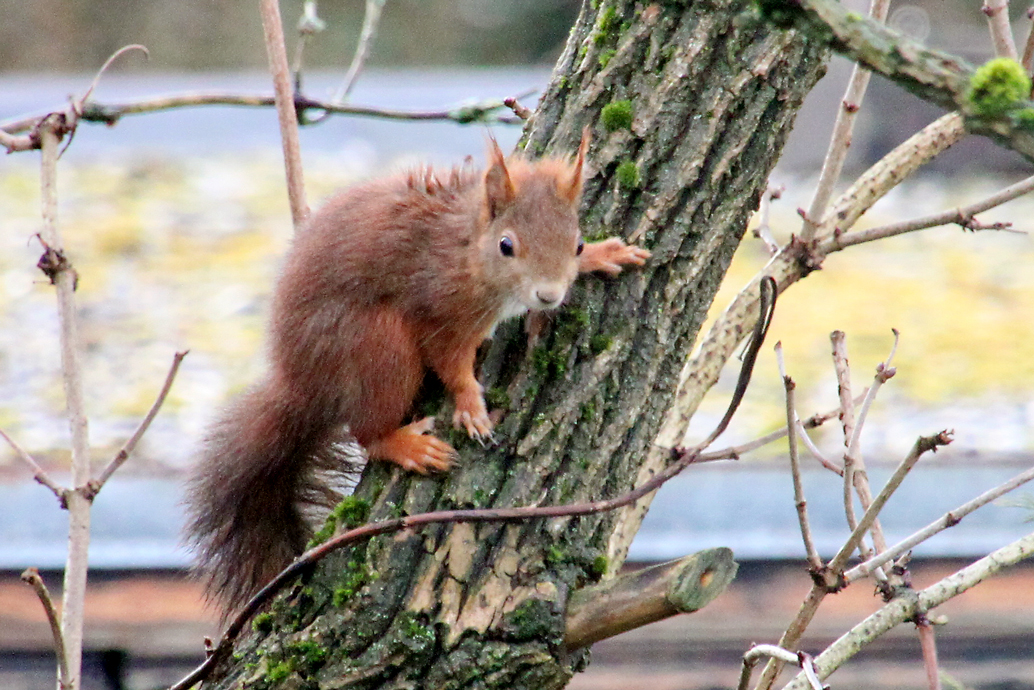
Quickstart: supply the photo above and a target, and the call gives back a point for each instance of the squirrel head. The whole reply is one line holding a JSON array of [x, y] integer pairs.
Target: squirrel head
[[530, 240]]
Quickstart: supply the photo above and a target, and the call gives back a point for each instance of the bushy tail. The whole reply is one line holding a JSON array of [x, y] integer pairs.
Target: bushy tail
[[268, 464]]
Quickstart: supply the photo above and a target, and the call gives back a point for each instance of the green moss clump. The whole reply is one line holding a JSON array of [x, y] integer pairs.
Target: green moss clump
[[600, 343], [351, 512], [997, 87], [279, 672], [617, 115], [605, 57], [353, 579], [310, 653], [628, 175], [606, 23], [262, 623], [1025, 118], [599, 566], [497, 398]]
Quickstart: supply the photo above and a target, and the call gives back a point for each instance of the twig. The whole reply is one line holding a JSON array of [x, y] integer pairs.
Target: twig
[[286, 113], [681, 459], [997, 12], [928, 643], [921, 446], [1028, 48], [962, 216], [905, 608], [734, 452], [519, 110], [127, 449], [947, 520], [814, 562], [309, 24], [38, 473], [884, 372], [32, 578], [758, 652], [763, 231], [104, 68], [840, 141], [818, 454], [60, 271], [371, 17], [110, 114], [840, 365]]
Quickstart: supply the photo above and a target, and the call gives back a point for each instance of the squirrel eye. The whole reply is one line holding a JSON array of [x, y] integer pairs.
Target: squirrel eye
[[506, 246], [581, 246]]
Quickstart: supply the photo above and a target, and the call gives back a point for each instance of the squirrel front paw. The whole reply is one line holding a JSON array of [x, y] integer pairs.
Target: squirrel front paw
[[472, 415], [610, 255], [414, 449]]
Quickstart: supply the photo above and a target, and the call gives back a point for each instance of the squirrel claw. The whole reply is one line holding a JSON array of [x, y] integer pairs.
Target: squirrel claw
[[478, 426]]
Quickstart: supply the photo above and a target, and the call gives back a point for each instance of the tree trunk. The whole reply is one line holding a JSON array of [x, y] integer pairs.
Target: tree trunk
[[689, 105]]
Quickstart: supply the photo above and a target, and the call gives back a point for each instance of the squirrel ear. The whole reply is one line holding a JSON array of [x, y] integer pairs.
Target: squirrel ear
[[499, 192], [571, 189]]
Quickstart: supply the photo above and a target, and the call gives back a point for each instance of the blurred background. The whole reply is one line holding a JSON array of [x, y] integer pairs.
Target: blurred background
[[176, 222]]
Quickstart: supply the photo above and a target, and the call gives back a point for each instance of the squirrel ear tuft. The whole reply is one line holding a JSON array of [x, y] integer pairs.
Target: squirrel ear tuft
[[571, 188], [499, 192]]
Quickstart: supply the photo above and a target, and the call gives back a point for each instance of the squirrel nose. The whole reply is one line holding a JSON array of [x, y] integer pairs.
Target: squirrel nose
[[549, 297]]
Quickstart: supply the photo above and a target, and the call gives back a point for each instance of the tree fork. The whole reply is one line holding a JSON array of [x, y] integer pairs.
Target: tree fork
[[689, 106]]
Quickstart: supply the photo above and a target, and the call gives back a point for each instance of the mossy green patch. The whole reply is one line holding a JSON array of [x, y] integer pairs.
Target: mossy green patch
[[627, 174], [998, 86], [605, 57], [605, 24], [262, 623], [349, 513], [617, 115]]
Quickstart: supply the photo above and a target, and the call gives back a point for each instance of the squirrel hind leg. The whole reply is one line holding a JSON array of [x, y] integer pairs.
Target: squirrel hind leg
[[413, 449]]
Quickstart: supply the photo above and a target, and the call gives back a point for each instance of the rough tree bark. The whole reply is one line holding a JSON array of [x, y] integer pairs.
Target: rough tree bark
[[689, 105]]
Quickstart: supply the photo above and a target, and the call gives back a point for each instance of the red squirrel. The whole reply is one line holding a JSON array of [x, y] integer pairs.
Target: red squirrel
[[388, 279]]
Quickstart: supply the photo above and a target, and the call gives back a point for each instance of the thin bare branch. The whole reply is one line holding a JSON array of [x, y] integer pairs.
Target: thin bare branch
[[921, 446], [107, 63], [56, 266], [905, 608], [763, 231], [735, 452], [756, 654], [884, 372], [814, 562], [962, 216], [1028, 48], [371, 17], [127, 449], [947, 520], [928, 643], [997, 12], [111, 113], [286, 113], [843, 372], [889, 171], [840, 141], [309, 24], [32, 578], [38, 473], [515, 105], [816, 453]]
